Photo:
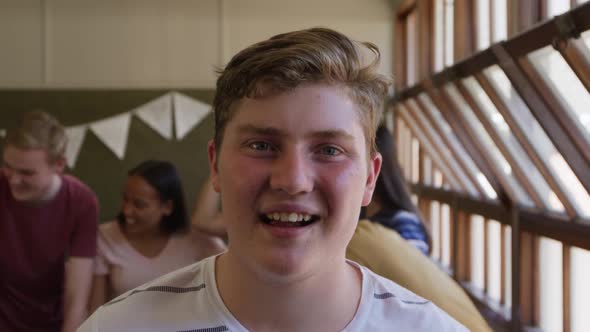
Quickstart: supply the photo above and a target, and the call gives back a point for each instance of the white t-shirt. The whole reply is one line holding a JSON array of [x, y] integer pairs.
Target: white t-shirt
[[188, 300]]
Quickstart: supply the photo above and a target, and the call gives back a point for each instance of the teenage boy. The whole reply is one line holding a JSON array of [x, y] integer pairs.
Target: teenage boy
[[293, 159], [48, 225]]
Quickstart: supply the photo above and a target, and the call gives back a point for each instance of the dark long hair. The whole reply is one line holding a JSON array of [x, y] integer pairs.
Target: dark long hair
[[391, 190], [163, 177]]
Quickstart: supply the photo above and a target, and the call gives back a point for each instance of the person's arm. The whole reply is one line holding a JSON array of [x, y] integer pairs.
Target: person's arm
[[206, 216], [98, 295], [78, 276]]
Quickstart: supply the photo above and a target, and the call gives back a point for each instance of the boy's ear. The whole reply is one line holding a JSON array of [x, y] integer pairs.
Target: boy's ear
[[212, 154], [373, 172]]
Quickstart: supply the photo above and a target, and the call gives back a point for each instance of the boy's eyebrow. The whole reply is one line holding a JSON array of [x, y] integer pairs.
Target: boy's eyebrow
[[252, 129], [271, 131]]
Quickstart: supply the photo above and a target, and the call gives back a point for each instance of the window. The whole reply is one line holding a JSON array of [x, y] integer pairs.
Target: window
[[449, 42], [557, 166], [492, 22], [580, 288], [501, 128], [466, 160], [550, 276], [501, 166]]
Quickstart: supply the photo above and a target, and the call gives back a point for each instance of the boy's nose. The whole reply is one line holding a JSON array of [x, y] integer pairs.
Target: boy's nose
[[291, 173]]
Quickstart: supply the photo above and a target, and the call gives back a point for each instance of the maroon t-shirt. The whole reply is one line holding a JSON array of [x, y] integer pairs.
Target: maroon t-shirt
[[35, 241]]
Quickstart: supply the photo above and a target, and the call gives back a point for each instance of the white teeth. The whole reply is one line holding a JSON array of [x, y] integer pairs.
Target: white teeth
[[288, 216]]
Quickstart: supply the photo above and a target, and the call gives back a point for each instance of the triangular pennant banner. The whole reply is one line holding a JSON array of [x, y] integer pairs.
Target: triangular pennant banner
[[157, 114], [75, 139], [188, 113], [113, 132]]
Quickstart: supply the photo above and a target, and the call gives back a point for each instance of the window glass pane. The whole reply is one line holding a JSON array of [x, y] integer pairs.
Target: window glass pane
[[483, 24], [421, 118], [500, 20], [457, 146], [430, 150], [411, 49], [477, 251], [558, 167], [415, 161], [439, 29], [449, 29], [556, 7], [494, 244], [404, 148], [426, 170], [438, 178], [507, 266], [399, 141], [388, 119], [550, 284], [571, 93], [580, 289], [503, 130], [487, 143], [435, 222], [445, 229]]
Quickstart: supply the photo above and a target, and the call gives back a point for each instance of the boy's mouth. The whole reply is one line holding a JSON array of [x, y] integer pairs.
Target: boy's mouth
[[288, 219]]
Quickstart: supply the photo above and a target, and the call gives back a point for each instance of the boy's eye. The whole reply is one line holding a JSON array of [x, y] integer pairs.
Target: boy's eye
[[330, 151], [260, 146]]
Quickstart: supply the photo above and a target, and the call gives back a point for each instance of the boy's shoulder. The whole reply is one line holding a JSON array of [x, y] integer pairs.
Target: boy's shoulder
[[387, 304], [176, 300]]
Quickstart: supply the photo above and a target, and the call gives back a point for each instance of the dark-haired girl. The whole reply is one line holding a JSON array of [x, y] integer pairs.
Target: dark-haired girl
[[150, 237]]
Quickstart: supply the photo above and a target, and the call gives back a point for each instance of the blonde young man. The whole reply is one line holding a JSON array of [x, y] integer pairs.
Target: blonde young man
[[48, 224], [293, 159]]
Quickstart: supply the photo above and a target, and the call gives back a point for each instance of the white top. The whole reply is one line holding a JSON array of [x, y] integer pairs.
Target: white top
[[126, 268], [188, 300]]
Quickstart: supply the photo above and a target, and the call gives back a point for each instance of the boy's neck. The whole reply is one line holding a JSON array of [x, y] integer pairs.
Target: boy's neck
[[52, 189], [325, 302]]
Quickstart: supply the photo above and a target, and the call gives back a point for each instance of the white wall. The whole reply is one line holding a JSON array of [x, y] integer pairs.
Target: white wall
[[158, 43]]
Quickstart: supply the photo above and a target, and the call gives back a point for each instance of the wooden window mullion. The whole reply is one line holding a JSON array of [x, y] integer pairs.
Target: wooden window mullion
[[445, 107], [446, 141], [523, 179], [437, 145], [548, 119], [541, 163], [434, 156], [484, 153], [577, 56], [564, 133], [566, 262]]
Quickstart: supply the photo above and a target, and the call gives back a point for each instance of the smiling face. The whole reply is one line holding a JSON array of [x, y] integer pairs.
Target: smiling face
[[293, 172], [142, 206], [29, 173]]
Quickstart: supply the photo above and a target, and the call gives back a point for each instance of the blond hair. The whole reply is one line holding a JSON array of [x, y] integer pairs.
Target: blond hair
[[285, 61], [39, 130]]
